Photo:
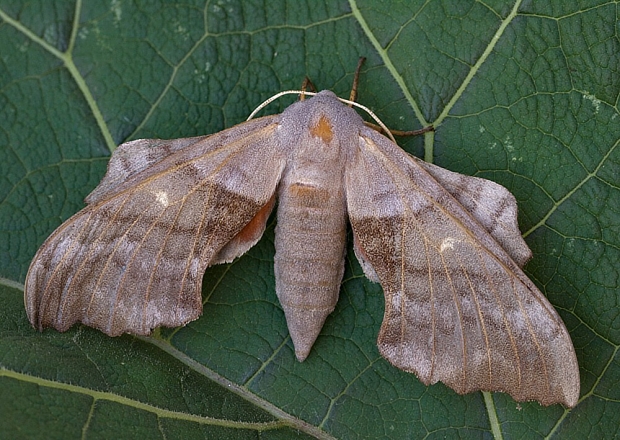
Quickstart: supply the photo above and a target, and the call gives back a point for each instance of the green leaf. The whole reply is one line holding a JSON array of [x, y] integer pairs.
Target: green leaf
[[523, 93]]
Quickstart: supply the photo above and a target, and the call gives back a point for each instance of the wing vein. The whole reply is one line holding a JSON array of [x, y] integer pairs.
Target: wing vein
[[483, 325], [88, 255], [46, 289], [111, 255], [500, 306], [459, 312]]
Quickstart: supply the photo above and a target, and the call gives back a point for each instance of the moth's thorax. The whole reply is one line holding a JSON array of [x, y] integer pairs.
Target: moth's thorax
[[319, 129]]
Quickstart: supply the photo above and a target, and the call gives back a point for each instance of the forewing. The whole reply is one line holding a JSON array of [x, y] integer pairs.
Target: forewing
[[458, 308], [133, 259]]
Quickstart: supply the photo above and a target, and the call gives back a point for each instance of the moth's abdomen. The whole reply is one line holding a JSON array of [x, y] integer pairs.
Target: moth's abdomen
[[309, 261]]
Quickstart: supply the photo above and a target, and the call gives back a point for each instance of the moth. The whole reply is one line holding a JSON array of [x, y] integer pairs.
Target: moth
[[445, 247]]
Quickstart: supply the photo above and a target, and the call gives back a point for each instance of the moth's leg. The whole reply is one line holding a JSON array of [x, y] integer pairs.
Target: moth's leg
[[353, 97], [304, 85], [356, 78], [401, 132]]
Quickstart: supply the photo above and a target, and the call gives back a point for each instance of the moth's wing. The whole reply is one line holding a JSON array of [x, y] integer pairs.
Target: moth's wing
[[458, 308], [133, 259], [490, 203]]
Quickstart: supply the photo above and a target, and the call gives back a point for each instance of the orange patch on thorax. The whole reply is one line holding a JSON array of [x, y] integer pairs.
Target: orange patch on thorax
[[323, 130], [309, 195]]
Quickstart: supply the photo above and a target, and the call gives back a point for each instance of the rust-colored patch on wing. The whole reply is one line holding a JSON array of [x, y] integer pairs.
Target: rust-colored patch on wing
[[253, 230], [323, 130]]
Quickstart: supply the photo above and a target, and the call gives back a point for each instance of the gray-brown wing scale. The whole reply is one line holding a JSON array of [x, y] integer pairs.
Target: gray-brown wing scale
[[133, 259], [458, 307], [491, 204]]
